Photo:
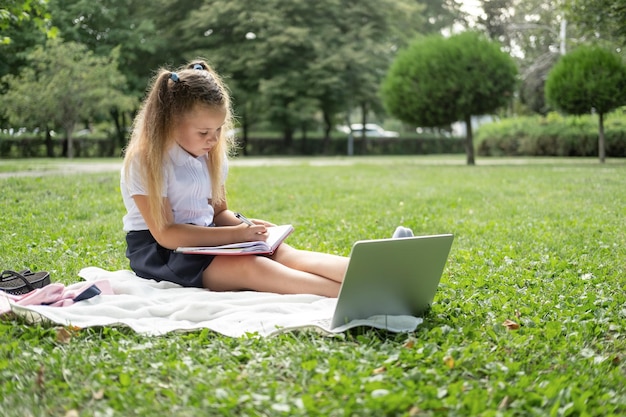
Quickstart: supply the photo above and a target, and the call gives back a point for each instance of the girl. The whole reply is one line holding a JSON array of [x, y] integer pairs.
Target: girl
[[172, 184]]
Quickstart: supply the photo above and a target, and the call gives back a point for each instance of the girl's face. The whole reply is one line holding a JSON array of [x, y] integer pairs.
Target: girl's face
[[199, 131]]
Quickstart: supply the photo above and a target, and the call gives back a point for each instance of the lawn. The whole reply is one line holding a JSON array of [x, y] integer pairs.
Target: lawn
[[529, 319]]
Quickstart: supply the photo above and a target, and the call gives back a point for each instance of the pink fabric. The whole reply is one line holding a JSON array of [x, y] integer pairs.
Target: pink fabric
[[55, 295]]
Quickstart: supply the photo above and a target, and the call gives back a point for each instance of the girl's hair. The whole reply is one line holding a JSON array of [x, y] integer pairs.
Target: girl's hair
[[170, 97]]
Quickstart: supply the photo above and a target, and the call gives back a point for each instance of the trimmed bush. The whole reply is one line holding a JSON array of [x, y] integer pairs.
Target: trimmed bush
[[437, 81], [589, 79]]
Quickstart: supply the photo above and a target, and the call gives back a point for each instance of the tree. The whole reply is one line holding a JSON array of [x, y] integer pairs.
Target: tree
[[534, 32], [532, 85], [13, 55], [104, 25], [588, 79], [527, 29], [63, 84], [437, 81], [283, 56], [495, 19], [18, 11], [602, 19], [439, 15]]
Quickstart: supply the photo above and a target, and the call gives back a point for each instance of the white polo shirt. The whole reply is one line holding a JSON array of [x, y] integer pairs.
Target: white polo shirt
[[186, 184]]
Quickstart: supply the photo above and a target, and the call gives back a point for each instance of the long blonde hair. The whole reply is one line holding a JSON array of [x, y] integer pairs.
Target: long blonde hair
[[170, 97]]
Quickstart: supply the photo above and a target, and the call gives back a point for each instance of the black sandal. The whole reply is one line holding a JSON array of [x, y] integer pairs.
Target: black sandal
[[23, 282]]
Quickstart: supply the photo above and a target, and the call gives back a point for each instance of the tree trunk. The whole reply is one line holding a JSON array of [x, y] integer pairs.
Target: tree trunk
[[601, 146], [70, 146], [119, 129], [350, 150], [49, 144], [327, 128], [469, 141], [303, 142], [364, 110], [244, 137], [69, 130], [288, 138]]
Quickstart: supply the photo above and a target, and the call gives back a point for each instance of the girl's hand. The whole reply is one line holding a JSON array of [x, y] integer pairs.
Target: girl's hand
[[251, 233], [263, 222]]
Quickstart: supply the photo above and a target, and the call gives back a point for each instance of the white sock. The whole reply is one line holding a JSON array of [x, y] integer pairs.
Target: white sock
[[401, 232]]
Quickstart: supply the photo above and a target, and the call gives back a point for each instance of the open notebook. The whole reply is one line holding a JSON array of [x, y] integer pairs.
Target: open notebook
[[277, 234]]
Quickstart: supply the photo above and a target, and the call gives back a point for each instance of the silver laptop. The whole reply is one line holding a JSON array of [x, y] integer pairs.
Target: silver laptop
[[391, 277]]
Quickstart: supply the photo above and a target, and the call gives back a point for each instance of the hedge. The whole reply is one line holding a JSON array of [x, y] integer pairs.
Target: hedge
[[553, 135], [23, 147]]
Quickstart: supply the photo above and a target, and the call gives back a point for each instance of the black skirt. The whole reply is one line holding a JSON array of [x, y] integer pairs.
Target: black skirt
[[150, 260]]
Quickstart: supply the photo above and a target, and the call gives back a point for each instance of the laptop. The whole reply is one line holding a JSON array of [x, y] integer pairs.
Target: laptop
[[391, 277]]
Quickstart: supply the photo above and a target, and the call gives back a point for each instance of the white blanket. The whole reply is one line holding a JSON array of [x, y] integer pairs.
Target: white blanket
[[156, 308]]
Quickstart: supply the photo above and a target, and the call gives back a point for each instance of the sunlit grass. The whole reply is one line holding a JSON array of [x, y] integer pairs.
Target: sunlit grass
[[540, 242]]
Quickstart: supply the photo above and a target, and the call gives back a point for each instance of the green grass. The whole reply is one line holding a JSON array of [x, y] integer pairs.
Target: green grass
[[540, 242]]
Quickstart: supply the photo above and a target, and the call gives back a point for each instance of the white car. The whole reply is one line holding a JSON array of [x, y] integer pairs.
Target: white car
[[372, 130]]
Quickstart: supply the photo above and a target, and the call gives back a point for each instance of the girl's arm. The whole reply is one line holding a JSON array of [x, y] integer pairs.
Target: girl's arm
[[173, 235], [223, 216]]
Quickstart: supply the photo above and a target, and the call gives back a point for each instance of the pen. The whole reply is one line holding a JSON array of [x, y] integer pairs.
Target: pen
[[244, 219]]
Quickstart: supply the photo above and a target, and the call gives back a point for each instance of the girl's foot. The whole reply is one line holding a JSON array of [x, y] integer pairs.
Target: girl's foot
[[401, 232]]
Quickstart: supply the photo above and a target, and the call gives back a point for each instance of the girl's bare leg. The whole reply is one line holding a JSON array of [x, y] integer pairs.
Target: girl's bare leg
[[258, 273], [326, 265]]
